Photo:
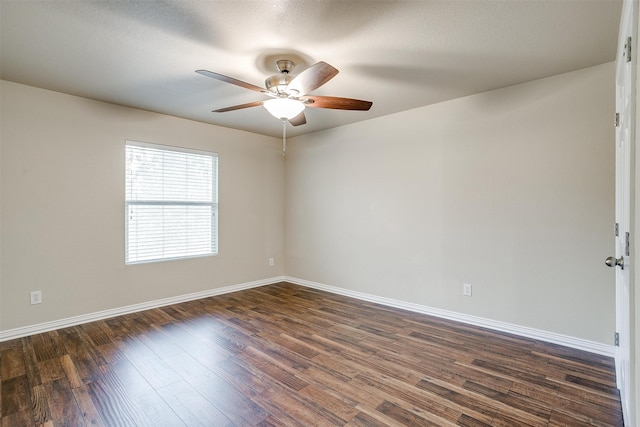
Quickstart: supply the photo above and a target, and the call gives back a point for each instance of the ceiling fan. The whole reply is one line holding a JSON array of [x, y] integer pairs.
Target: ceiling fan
[[290, 94]]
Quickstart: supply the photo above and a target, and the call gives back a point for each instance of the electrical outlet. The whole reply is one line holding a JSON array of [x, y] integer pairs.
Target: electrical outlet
[[466, 290], [36, 297], [271, 262]]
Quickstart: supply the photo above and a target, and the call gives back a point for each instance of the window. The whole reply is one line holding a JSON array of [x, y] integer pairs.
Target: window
[[171, 203]]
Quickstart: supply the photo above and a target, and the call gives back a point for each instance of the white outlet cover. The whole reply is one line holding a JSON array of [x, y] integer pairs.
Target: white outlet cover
[[36, 297], [466, 290]]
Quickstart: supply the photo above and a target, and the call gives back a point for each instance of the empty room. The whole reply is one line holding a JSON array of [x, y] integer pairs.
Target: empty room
[[318, 213]]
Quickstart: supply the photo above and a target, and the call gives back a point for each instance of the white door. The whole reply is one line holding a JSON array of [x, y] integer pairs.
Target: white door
[[625, 144]]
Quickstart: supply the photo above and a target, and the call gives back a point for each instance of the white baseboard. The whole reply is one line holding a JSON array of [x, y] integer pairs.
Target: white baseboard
[[105, 314], [577, 343], [551, 337]]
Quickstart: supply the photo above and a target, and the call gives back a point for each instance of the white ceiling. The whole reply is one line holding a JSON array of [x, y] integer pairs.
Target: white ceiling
[[398, 54]]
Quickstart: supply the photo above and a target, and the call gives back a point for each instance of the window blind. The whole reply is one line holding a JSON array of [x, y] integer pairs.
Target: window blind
[[171, 203]]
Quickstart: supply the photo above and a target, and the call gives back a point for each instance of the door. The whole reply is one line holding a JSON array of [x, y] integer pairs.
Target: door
[[625, 150]]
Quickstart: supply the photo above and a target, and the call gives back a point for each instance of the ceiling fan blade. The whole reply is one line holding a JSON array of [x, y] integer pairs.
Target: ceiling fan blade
[[238, 107], [298, 120], [337, 103], [231, 80], [312, 78]]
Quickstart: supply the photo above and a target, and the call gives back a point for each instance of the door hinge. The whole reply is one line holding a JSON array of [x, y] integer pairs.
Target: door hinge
[[616, 121], [616, 339], [627, 49], [626, 244], [617, 229]]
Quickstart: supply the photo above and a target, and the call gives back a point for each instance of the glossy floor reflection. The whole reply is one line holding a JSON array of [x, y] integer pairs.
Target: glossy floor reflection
[[284, 355]]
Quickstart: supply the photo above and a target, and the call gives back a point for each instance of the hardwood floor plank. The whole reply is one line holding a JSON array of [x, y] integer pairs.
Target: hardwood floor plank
[[516, 375], [349, 391], [294, 345], [336, 406], [156, 410], [62, 404], [47, 346], [129, 377], [564, 366], [217, 391], [156, 372], [280, 356], [403, 416], [159, 345], [285, 355], [265, 365], [567, 354], [391, 420], [591, 384], [30, 361], [98, 333], [87, 407], [467, 400], [41, 413], [134, 348], [588, 412], [86, 358], [201, 350], [608, 404], [242, 377], [365, 420], [304, 412], [51, 370], [119, 327], [516, 419], [114, 403], [12, 363], [70, 371], [113, 351], [418, 402], [467, 421], [144, 395], [559, 419], [192, 408], [20, 418], [16, 395]]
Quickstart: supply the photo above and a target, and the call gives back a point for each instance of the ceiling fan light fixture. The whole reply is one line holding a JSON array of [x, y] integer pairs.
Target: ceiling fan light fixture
[[284, 108]]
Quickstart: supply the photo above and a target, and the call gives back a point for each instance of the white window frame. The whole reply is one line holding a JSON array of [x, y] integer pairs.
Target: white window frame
[[213, 203]]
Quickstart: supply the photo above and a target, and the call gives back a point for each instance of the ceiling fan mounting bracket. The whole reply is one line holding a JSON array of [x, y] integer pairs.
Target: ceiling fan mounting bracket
[[285, 66]]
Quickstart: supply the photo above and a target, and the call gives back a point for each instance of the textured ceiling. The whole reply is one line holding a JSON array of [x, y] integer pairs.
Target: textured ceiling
[[398, 54]]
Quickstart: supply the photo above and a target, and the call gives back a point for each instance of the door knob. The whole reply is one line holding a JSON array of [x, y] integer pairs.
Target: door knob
[[613, 261]]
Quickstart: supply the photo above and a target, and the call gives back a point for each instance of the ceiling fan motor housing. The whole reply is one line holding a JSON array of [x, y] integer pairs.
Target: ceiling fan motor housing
[[278, 82]]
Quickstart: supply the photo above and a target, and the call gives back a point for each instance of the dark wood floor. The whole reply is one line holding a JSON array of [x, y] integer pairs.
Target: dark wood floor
[[284, 355]]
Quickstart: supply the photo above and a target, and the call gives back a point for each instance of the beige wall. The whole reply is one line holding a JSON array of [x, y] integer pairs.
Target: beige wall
[[511, 191], [62, 207]]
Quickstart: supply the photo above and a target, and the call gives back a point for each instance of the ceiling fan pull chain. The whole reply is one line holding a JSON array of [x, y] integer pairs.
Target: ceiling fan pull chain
[[284, 137]]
